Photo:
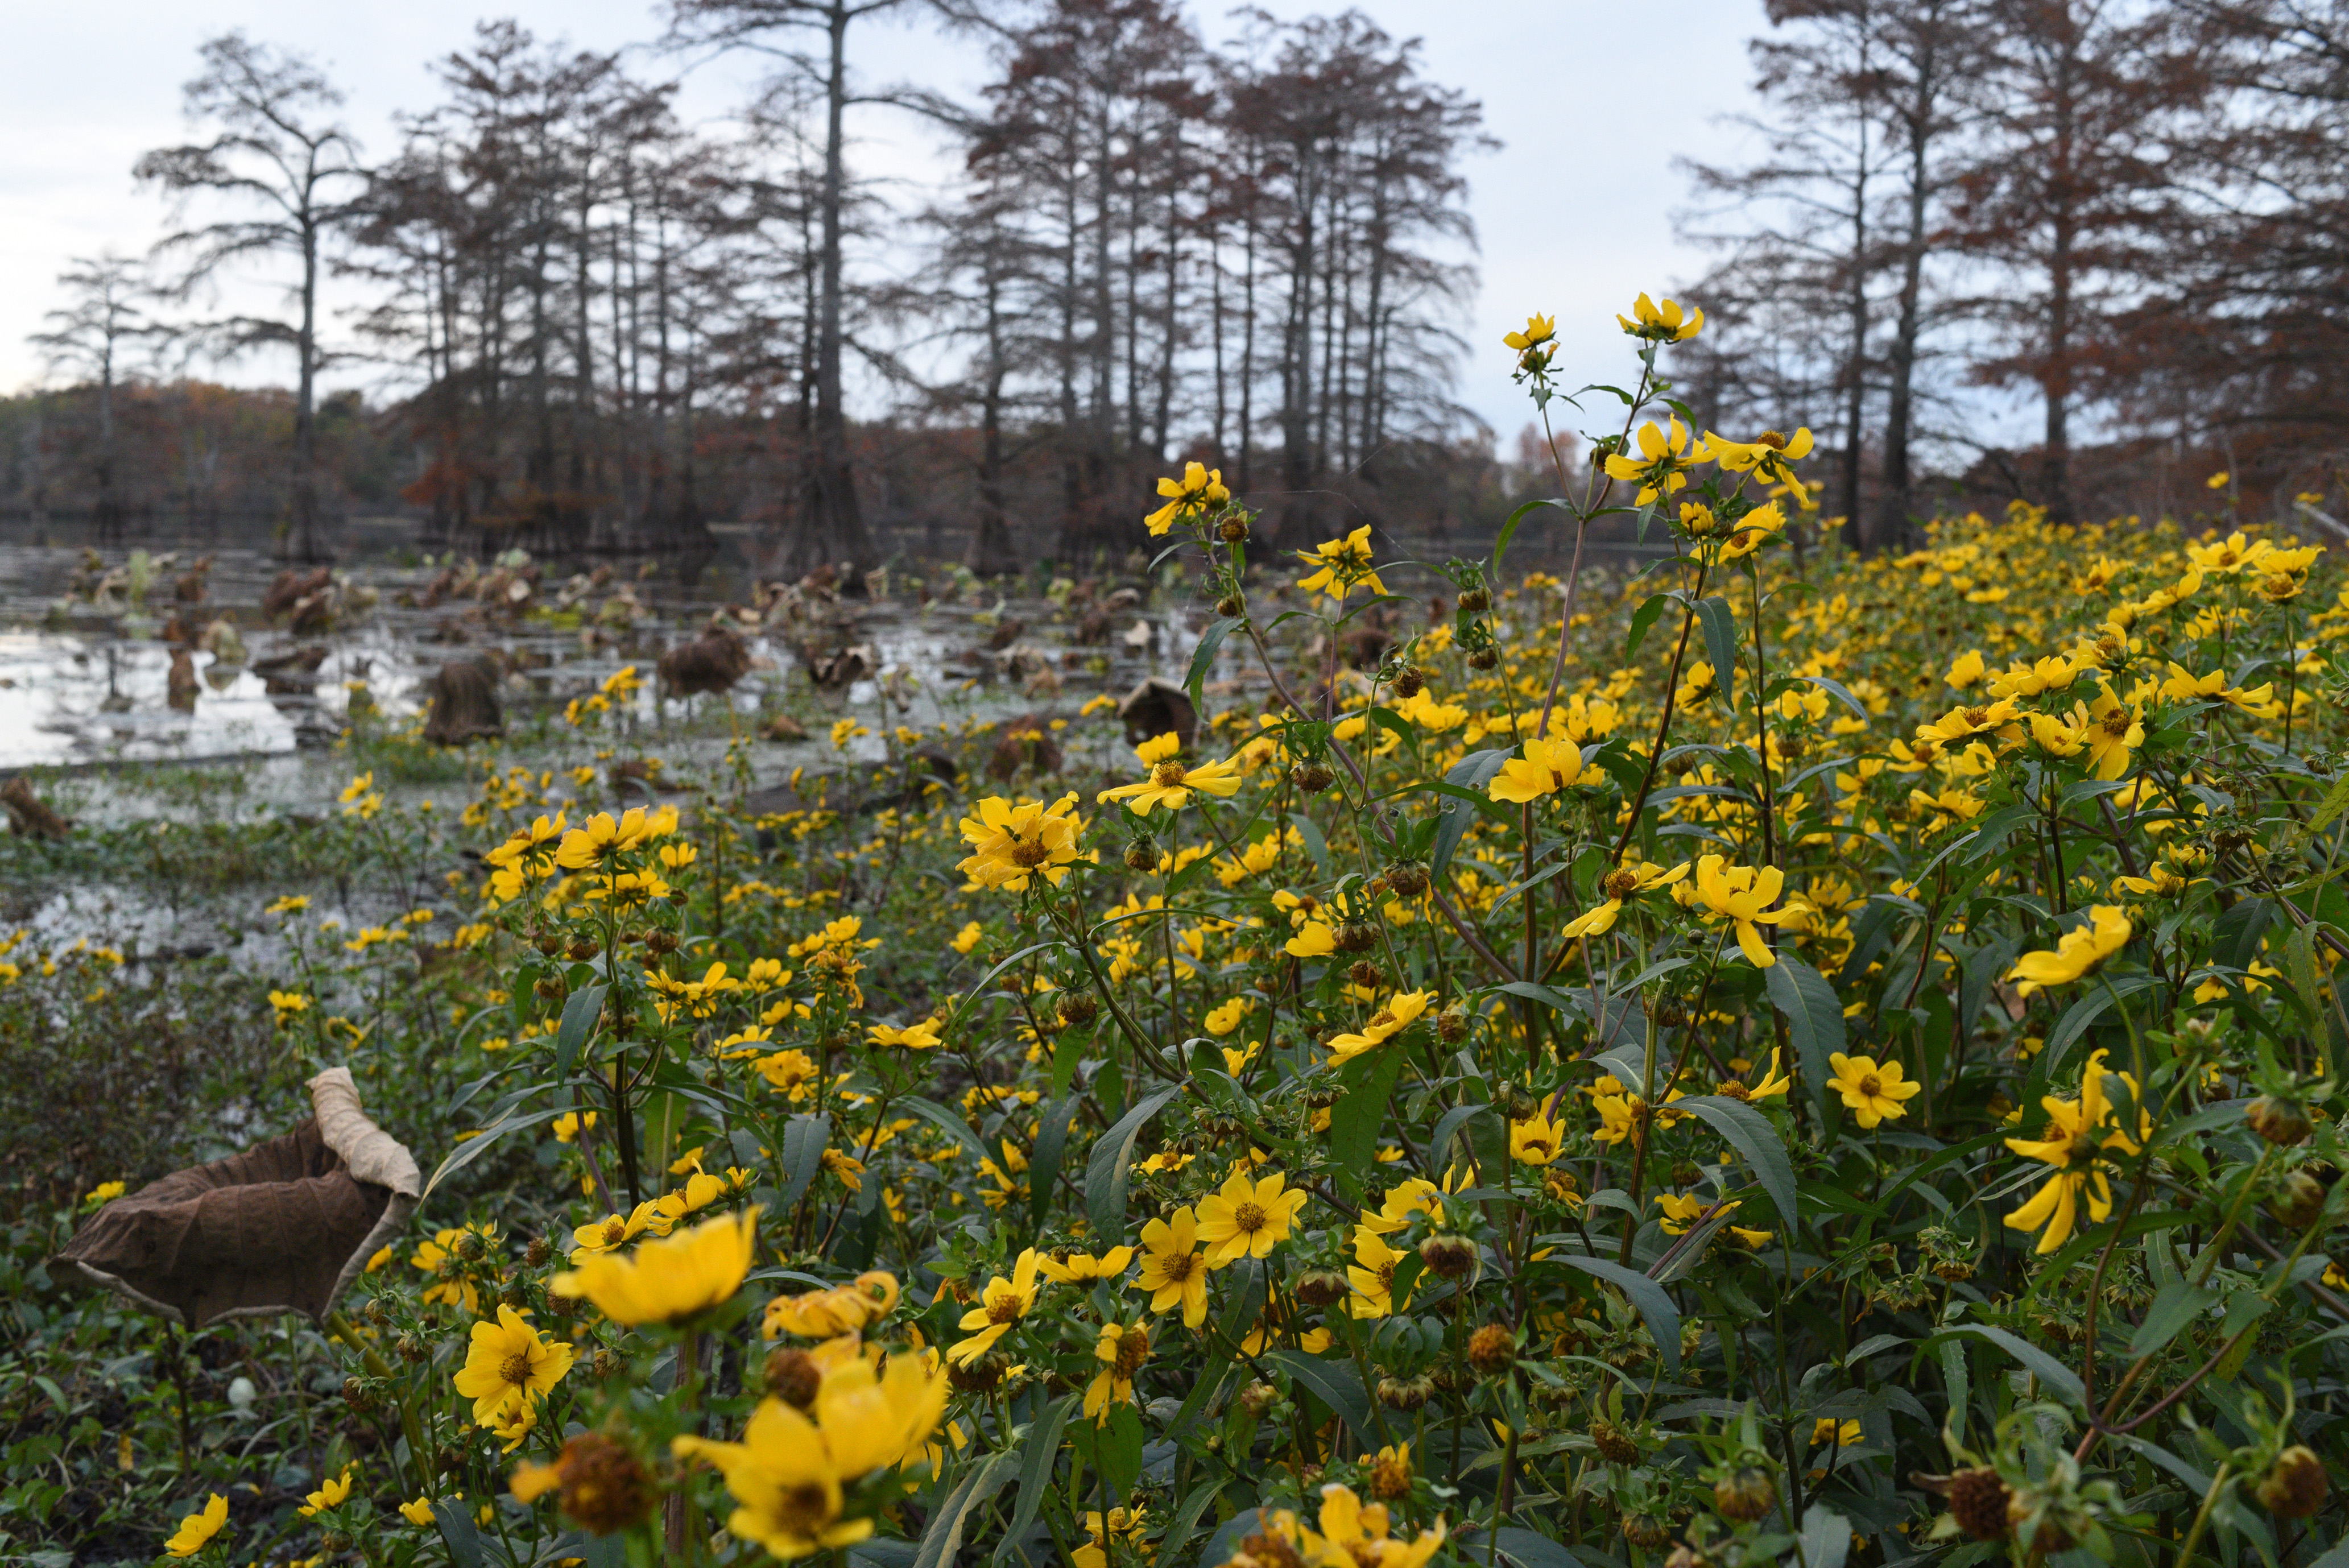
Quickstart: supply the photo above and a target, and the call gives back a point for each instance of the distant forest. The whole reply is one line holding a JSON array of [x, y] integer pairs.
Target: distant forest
[[613, 331], [618, 329]]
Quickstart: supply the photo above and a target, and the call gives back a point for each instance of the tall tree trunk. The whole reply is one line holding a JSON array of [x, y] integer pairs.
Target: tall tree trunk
[[851, 544]]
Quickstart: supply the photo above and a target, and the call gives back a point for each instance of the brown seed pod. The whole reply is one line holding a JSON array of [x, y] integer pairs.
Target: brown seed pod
[[2296, 1488], [1487, 659], [1233, 530], [1451, 1026], [582, 948], [550, 944], [1311, 777], [1408, 682], [1979, 1500], [1405, 1393], [1231, 606], [1649, 1535], [1259, 1397], [1365, 974], [1356, 936], [1476, 601], [539, 1253], [1077, 1007], [1408, 878]]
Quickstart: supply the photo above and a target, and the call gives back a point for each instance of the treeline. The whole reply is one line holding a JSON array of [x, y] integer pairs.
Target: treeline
[[611, 327], [2134, 216]]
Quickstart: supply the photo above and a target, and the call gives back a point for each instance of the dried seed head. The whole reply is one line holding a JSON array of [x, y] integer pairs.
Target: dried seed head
[[538, 1254], [1745, 1496], [2283, 1123], [1231, 606], [1311, 777], [604, 1487], [2294, 1489], [1408, 682], [1077, 1007], [1451, 1026], [582, 948], [1493, 1349], [550, 944], [1978, 1501], [1365, 974], [1356, 936], [1408, 878], [1321, 1287], [1613, 1444], [2299, 1200], [1233, 530], [791, 1375], [1476, 601], [1485, 659], [1452, 1257], [1646, 1531], [980, 1376]]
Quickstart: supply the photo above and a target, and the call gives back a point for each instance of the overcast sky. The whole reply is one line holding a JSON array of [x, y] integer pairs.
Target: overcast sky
[[1593, 103]]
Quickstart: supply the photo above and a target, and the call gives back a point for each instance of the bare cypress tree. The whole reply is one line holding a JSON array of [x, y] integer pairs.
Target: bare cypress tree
[[840, 535], [274, 150], [106, 314]]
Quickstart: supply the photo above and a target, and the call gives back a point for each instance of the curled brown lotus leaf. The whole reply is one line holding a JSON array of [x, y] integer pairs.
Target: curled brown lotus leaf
[[283, 1227], [712, 662], [464, 705], [1158, 706]]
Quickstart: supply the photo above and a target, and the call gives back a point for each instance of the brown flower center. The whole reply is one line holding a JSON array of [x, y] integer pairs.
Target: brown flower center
[[1024, 854], [803, 1508], [1178, 1266], [1003, 1309], [2116, 722], [1132, 1350], [1621, 885], [1976, 718], [615, 1231], [1249, 1217], [515, 1369], [1167, 775], [1870, 1086]]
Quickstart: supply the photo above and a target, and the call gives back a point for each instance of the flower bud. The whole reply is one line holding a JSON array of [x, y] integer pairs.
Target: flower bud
[[410, 1348], [358, 1396], [1259, 1397], [1405, 1393], [1408, 878], [538, 1254], [2283, 1123], [2294, 1489], [1231, 606], [1142, 855]]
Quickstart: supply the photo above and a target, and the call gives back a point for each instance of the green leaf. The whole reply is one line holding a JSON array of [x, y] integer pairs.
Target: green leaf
[[1826, 1538], [1814, 1021], [457, 1532], [1641, 619], [2175, 1305], [2336, 800], [953, 1126], [1037, 1451], [1052, 1142], [2057, 1377], [1203, 658], [2082, 1013], [1529, 1550], [1756, 1142], [1472, 772], [473, 1148], [1720, 639], [1655, 1303], [943, 1538], [579, 1015], [2235, 935], [1337, 1385], [804, 1138], [1110, 1166], [1366, 1083]]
